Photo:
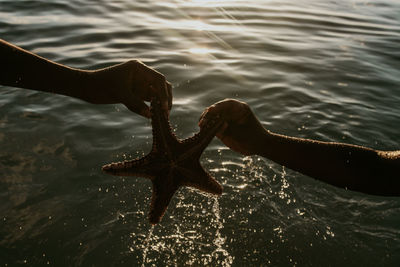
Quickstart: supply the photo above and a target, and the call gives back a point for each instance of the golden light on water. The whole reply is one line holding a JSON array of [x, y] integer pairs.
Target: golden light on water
[[201, 50], [210, 2], [186, 23]]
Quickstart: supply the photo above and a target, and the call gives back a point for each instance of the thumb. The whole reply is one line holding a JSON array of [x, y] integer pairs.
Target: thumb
[[139, 107], [222, 132]]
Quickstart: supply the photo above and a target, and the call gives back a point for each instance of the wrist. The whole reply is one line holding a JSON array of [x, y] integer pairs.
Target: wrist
[[82, 85], [264, 146], [98, 86], [110, 85]]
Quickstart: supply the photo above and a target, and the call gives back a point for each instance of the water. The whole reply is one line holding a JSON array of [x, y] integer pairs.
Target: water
[[328, 70]]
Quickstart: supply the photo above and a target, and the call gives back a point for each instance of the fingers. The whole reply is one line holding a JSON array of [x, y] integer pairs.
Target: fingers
[[166, 96], [211, 113], [164, 92], [229, 110], [151, 83], [235, 145], [169, 95], [236, 117], [202, 120], [221, 132], [139, 107]]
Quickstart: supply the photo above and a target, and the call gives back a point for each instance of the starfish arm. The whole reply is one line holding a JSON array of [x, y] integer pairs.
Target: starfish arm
[[143, 167], [163, 190], [195, 145], [171, 162], [200, 179], [163, 136]]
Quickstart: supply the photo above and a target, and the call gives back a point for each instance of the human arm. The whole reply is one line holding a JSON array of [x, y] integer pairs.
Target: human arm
[[130, 83], [348, 166]]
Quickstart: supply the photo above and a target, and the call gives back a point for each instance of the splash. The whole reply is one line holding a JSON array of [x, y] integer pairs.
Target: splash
[[147, 245], [219, 241]]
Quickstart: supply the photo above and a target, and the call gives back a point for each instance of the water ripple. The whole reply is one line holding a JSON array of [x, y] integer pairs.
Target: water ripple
[[316, 69]]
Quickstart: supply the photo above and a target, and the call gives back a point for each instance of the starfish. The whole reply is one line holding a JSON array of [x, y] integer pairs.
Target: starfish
[[171, 163]]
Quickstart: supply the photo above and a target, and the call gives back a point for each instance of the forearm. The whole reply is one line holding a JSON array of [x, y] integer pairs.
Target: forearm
[[347, 166], [23, 69]]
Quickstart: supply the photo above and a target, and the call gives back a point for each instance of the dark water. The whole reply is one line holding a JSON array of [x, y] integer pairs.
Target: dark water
[[328, 70]]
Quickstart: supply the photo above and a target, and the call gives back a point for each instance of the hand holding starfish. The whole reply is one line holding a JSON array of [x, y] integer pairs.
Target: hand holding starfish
[[171, 163], [344, 165], [241, 131], [130, 83]]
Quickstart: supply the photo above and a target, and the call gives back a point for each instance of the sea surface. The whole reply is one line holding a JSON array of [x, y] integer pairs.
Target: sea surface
[[327, 70]]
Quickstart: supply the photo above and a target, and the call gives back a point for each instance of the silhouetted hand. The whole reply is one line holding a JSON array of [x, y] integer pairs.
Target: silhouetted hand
[[132, 83], [241, 131]]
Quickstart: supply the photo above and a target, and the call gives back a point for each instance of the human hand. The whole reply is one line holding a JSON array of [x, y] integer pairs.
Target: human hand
[[241, 130], [131, 83]]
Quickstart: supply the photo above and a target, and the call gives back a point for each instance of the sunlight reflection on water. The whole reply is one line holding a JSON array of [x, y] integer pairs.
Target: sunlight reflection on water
[[316, 69]]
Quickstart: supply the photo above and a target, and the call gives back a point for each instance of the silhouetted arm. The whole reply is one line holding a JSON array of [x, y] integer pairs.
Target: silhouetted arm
[[130, 83], [348, 166]]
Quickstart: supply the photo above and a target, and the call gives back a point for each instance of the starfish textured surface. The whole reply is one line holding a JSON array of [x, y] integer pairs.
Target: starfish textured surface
[[171, 163]]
